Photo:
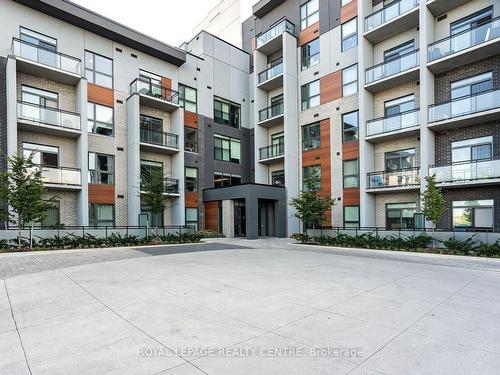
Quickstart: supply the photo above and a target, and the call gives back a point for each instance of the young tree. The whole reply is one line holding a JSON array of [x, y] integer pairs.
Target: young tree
[[310, 205], [433, 204], [154, 195], [22, 190]]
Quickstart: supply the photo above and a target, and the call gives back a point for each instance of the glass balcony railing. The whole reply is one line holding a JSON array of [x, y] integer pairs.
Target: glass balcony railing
[[387, 13], [392, 123], [48, 116], [145, 87], [392, 179], [463, 40], [274, 31], [61, 175], [466, 105], [271, 72], [390, 68], [270, 112], [272, 151], [159, 138], [54, 59], [467, 171]]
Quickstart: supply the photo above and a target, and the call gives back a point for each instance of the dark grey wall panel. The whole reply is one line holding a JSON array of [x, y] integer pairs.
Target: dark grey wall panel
[[3, 119]]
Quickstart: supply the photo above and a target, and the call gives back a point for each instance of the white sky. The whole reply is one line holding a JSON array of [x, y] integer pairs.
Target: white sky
[[171, 21]]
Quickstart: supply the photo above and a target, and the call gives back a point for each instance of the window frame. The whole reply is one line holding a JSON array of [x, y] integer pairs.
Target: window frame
[[281, 172], [192, 222], [346, 84], [230, 106], [195, 142], [193, 184], [304, 55], [346, 176], [182, 97], [230, 140], [356, 128], [307, 101], [94, 71], [475, 204], [223, 176], [97, 221], [98, 172], [307, 17], [346, 222], [96, 123], [305, 130], [346, 38], [305, 169], [400, 209]]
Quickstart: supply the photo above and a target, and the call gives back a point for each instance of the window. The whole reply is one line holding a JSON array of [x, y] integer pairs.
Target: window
[[398, 160], [191, 175], [397, 52], [278, 178], [310, 54], [474, 20], [99, 119], [227, 149], [311, 136], [473, 214], [400, 215], [350, 34], [43, 50], [192, 217], [311, 178], [190, 139], [223, 179], [188, 98], [101, 168], [226, 112], [470, 86], [350, 126], [149, 168], [51, 219], [351, 216], [150, 84], [309, 14], [153, 219], [101, 215], [98, 69], [310, 95], [471, 150], [400, 105], [350, 80], [42, 155], [351, 173], [40, 98]]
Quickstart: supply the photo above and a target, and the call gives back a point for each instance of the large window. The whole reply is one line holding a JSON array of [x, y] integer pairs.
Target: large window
[[399, 51], [311, 178], [98, 69], [311, 137], [39, 97], [476, 19], [310, 54], [42, 155], [309, 14], [400, 215], [101, 215], [99, 119], [278, 178], [191, 179], [350, 34], [101, 168], [224, 179], [51, 219], [190, 139], [310, 95], [401, 159], [473, 214], [226, 112], [472, 149], [350, 126], [149, 169], [351, 216], [351, 173], [400, 105], [192, 217], [188, 98], [350, 80], [227, 149], [471, 86]]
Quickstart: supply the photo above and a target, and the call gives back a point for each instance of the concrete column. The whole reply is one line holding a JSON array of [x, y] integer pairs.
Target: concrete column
[[11, 91], [178, 204], [82, 154], [228, 218], [133, 160]]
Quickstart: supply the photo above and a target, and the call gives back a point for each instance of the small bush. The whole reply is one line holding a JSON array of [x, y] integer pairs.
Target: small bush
[[210, 234], [301, 237]]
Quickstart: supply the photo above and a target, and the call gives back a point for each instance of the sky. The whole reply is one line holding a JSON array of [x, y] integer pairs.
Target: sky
[[171, 21]]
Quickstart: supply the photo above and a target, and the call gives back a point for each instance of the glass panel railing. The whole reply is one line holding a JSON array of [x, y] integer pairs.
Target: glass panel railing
[[399, 178], [389, 12], [389, 68], [274, 31], [61, 175], [271, 72], [48, 116], [465, 105], [467, 171], [270, 112], [272, 151], [171, 185], [463, 40], [159, 138], [387, 124], [45, 56], [145, 87]]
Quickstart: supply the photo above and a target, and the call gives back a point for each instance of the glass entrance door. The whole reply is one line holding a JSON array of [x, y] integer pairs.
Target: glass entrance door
[[239, 218]]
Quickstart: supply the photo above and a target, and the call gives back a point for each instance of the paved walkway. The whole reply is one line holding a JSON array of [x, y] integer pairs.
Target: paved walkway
[[252, 307]]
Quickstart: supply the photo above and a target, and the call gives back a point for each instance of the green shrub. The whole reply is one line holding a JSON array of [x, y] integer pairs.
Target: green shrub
[[210, 234], [301, 237], [369, 241], [458, 247]]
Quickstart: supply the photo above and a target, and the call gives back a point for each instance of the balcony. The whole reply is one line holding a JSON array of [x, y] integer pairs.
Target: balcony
[[272, 153], [469, 46], [401, 124], [171, 187], [62, 178], [467, 173], [228, 119], [151, 140], [393, 73], [41, 62], [155, 96], [52, 121], [465, 111], [271, 116], [440, 7], [385, 181], [271, 78], [391, 20], [270, 41]]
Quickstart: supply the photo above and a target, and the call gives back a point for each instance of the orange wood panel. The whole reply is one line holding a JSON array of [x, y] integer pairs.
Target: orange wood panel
[[100, 95], [102, 194], [351, 197], [191, 199], [253, 43], [308, 34], [211, 215], [190, 119], [350, 150], [349, 11], [330, 87], [166, 82]]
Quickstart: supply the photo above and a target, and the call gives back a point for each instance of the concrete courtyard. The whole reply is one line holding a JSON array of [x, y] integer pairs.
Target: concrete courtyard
[[248, 307]]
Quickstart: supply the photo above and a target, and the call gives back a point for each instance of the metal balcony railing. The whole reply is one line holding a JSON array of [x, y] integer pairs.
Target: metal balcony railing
[[48, 116], [392, 123], [159, 138], [145, 87], [272, 111], [272, 151], [271, 72], [389, 68], [393, 179], [275, 30], [389, 12], [484, 169]]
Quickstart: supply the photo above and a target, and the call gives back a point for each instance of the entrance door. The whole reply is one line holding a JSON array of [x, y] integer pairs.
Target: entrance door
[[266, 218], [239, 218]]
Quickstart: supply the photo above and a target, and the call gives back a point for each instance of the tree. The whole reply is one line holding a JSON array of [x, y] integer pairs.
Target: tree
[[310, 205], [433, 204], [154, 196], [23, 191]]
